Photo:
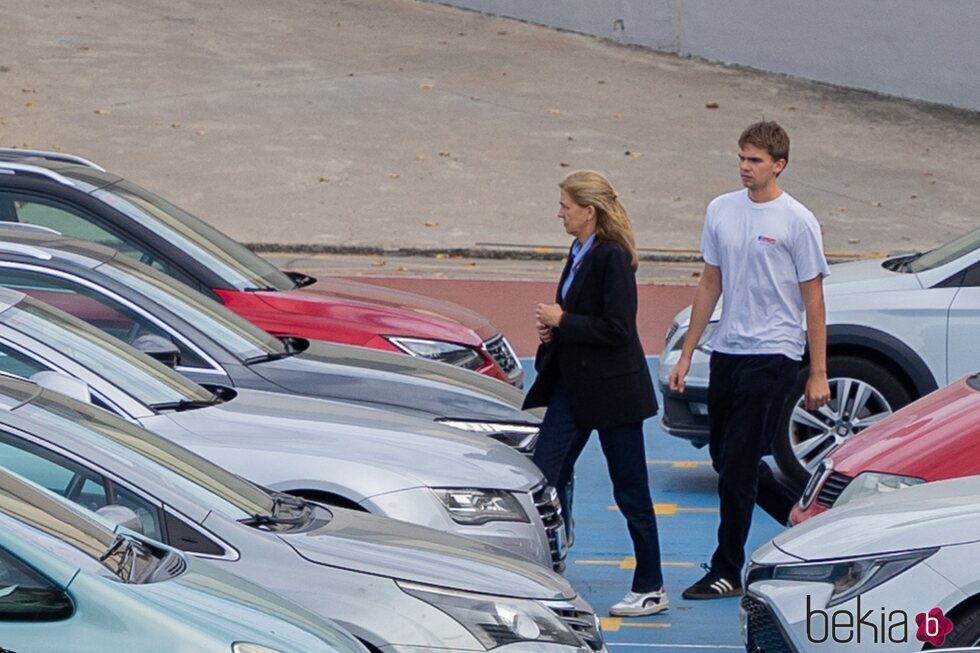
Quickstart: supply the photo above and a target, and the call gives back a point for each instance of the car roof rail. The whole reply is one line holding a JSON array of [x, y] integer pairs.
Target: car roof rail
[[6, 224], [60, 157], [10, 168], [24, 250]]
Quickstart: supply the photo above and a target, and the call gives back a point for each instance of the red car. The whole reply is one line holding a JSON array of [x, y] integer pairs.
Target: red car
[[77, 198], [932, 439]]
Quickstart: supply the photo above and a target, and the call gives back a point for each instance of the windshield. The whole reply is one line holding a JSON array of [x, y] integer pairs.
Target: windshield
[[143, 378], [235, 264], [167, 464], [947, 253], [237, 336]]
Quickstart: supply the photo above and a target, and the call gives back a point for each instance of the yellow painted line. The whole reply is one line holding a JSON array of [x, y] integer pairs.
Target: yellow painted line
[[610, 624], [681, 464], [670, 509], [598, 562], [629, 562]]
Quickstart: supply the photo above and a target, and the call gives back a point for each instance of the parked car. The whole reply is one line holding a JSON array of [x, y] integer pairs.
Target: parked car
[[889, 573], [397, 586], [78, 198], [897, 329], [68, 582], [214, 345], [931, 439], [377, 461]]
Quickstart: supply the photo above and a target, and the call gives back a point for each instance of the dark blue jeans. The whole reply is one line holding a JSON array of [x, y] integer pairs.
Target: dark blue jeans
[[559, 446]]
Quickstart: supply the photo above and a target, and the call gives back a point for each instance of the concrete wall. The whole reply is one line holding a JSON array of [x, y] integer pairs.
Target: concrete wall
[[919, 49]]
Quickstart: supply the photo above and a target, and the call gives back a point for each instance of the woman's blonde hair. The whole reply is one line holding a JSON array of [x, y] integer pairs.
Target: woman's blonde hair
[[589, 188]]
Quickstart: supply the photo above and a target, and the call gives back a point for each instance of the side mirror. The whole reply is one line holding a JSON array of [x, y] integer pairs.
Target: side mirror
[[66, 385], [121, 516], [159, 348]]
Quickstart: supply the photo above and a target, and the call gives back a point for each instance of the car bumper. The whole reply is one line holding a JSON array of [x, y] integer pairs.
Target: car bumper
[[685, 414]]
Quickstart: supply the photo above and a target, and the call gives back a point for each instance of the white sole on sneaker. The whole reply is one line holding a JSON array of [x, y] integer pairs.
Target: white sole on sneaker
[[645, 611]]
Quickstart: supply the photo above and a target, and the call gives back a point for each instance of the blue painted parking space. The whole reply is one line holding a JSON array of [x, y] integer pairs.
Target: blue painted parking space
[[600, 563]]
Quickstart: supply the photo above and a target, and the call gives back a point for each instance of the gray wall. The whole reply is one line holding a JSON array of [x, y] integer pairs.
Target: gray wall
[[919, 49]]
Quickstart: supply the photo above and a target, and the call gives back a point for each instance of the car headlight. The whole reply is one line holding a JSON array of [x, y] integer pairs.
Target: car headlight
[[473, 507], [869, 484], [245, 647], [681, 334], [522, 437], [849, 576], [438, 350], [496, 620]]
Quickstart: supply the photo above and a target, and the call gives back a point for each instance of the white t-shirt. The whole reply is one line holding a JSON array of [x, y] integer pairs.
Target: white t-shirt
[[765, 250]]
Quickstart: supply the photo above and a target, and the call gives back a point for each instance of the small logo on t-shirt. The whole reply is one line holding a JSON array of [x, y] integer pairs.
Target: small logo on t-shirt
[[766, 240]]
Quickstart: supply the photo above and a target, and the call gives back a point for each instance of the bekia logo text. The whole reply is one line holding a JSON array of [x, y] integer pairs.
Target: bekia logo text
[[874, 625]]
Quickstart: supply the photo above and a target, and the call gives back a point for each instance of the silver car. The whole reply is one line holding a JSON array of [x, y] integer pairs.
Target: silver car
[[68, 582], [396, 586], [211, 344], [381, 462]]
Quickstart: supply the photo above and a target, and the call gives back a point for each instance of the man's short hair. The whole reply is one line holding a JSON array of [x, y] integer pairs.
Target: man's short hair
[[769, 136]]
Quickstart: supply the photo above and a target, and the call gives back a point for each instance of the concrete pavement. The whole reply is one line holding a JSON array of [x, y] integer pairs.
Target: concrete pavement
[[387, 124]]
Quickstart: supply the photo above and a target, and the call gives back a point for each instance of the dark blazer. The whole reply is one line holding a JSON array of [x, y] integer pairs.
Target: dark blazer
[[596, 352]]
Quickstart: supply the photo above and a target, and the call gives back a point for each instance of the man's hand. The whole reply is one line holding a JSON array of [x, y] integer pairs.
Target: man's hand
[[549, 314], [678, 374], [817, 391]]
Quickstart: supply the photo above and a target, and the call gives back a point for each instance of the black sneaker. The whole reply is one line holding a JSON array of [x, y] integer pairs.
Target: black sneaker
[[712, 586]]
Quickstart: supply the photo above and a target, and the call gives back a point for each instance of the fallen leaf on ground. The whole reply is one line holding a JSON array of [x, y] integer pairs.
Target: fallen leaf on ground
[[200, 132], [394, 175], [633, 154], [853, 241], [426, 86], [617, 116], [431, 223], [102, 112], [564, 164], [556, 112], [876, 204], [712, 105], [175, 125], [441, 256], [324, 179], [913, 196], [420, 157], [791, 108], [444, 154], [379, 264]]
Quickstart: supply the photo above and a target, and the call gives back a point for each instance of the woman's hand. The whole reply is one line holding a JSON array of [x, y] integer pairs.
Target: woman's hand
[[544, 332], [549, 314]]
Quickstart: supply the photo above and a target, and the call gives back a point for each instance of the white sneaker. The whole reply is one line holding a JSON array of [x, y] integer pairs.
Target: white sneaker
[[640, 605]]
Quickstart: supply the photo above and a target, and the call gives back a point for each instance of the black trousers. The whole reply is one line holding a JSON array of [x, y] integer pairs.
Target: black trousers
[[559, 445], [746, 393]]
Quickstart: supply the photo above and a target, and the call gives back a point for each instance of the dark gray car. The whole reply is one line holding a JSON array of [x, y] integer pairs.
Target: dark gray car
[[135, 303]]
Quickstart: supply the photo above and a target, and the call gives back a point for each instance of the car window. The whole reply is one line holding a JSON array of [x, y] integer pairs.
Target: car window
[[143, 378], [946, 253], [94, 307], [75, 482], [236, 265], [74, 222], [971, 279], [16, 364], [26, 595]]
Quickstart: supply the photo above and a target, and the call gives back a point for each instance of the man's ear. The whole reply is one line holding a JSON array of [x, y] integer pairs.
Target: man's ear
[[779, 166]]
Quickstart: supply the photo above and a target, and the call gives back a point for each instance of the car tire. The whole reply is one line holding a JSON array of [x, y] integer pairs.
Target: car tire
[[804, 438]]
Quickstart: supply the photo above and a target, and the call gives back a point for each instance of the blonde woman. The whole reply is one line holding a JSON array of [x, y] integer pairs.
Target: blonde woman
[[592, 374]]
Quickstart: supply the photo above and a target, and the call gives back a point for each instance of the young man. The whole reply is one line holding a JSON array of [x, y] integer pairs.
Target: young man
[[763, 251]]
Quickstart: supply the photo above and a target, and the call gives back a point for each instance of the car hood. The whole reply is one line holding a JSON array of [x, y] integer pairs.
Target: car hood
[[933, 438], [249, 433], [329, 313], [867, 277], [388, 380], [933, 514], [404, 551], [346, 289]]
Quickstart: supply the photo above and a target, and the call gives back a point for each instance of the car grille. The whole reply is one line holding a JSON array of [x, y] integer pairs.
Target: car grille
[[549, 509], [831, 489], [763, 634], [503, 355], [582, 622]]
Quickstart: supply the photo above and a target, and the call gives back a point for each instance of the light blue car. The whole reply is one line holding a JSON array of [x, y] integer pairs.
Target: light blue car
[[69, 583]]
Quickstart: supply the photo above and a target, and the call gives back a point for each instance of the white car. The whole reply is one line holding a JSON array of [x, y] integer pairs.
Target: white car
[[897, 329], [888, 573]]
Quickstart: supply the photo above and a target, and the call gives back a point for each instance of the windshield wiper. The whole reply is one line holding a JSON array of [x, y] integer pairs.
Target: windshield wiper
[[129, 548], [273, 517], [187, 404], [291, 346]]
